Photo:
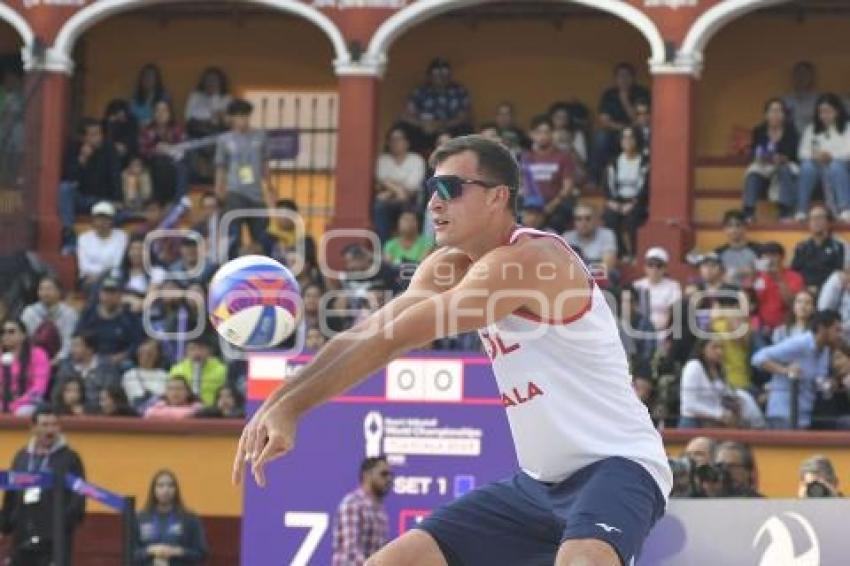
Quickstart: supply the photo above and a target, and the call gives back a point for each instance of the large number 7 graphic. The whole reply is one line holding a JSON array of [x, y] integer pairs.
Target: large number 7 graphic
[[317, 523]]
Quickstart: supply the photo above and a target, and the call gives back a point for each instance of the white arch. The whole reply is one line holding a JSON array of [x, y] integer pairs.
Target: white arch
[[97, 11], [422, 10], [713, 19], [17, 21]]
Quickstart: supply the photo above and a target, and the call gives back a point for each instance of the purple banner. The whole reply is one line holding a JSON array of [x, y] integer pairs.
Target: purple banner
[[440, 422]]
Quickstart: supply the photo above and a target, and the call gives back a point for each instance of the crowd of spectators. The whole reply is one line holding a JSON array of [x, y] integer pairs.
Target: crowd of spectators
[[753, 339]]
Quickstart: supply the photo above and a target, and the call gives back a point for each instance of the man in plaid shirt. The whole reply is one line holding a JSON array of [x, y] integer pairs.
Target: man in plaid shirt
[[361, 524]]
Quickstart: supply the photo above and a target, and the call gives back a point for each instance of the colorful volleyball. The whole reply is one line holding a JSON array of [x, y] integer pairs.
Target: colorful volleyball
[[254, 302]]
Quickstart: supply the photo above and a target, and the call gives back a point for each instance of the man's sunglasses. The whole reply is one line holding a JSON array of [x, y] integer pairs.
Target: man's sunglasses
[[449, 187]]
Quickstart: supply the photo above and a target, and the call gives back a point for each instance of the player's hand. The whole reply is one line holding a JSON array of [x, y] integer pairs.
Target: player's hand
[[275, 436], [247, 439]]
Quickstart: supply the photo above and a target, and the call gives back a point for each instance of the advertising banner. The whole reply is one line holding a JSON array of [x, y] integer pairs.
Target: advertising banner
[[441, 423]]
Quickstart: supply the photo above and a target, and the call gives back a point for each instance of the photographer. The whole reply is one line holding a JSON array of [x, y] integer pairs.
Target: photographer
[[731, 474], [817, 478]]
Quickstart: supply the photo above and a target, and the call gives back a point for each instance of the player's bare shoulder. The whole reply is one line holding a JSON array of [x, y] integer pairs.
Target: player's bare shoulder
[[441, 270]]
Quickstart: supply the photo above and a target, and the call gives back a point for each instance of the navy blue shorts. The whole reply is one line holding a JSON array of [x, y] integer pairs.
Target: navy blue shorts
[[521, 521]]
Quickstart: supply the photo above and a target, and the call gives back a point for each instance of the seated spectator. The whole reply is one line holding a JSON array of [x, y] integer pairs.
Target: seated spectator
[[598, 244], [773, 151], [136, 186], [206, 115], [549, 175], [178, 401], [28, 370], [627, 198], [799, 317], [409, 246], [358, 262], [824, 154], [737, 460], [438, 105], [181, 544], [637, 333], [113, 402], [803, 358], [311, 296], [121, 130], [775, 287], [204, 372], [835, 295], [643, 123], [164, 250], [738, 254], [531, 214], [242, 172], [97, 372], [229, 404], [707, 399], [566, 134], [507, 130], [801, 101], [616, 111], [149, 90], [818, 478], [145, 382], [91, 173], [657, 290], [191, 266], [207, 225], [818, 256], [314, 340], [134, 278], [171, 317], [116, 330], [49, 317], [101, 249], [69, 397], [169, 175], [398, 182], [286, 235]]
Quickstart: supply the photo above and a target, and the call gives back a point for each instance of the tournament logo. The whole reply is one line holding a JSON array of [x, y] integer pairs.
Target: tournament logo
[[780, 549]]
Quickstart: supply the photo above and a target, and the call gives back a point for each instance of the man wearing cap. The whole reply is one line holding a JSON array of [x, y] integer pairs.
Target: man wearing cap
[[438, 105], [101, 249], [116, 330], [774, 286], [817, 257], [661, 292]]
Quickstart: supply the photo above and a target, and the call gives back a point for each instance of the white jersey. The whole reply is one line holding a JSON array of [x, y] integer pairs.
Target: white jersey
[[567, 390]]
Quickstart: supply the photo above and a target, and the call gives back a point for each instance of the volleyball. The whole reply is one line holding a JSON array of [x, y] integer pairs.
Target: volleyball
[[254, 302]]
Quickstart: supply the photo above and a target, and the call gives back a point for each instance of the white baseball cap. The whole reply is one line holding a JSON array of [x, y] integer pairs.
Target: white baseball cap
[[103, 208], [658, 253]]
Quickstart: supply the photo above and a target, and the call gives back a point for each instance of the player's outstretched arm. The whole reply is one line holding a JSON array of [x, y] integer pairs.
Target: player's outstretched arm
[[487, 292], [438, 272]]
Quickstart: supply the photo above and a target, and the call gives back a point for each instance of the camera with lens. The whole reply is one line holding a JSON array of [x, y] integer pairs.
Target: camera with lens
[[704, 480], [817, 488]]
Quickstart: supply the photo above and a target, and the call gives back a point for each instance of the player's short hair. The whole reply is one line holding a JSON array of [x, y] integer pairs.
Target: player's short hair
[[369, 464], [495, 161]]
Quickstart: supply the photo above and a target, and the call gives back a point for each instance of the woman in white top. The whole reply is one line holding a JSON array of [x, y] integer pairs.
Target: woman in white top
[[707, 400], [398, 182], [798, 323], [658, 293], [205, 115], [145, 384], [626, 204], [824, 155]]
